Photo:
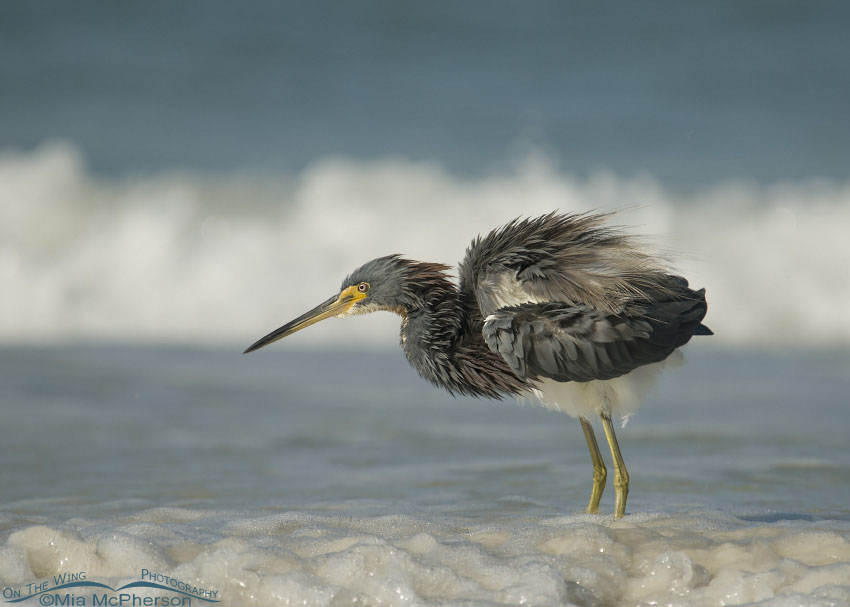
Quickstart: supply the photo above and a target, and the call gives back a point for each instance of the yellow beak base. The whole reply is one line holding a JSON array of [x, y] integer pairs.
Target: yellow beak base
[[335, 306]]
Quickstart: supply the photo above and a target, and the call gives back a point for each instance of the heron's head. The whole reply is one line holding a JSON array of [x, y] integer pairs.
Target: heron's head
[[381, 284]]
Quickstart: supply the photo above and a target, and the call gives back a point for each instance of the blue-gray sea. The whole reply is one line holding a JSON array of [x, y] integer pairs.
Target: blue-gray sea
[[752, 433], [691, 93]]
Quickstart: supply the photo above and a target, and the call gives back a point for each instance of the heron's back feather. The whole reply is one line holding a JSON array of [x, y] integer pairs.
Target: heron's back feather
[[566, 258]]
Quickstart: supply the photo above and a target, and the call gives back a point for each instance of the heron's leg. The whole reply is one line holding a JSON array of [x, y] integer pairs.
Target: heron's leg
[[600, 473], [621, 475]]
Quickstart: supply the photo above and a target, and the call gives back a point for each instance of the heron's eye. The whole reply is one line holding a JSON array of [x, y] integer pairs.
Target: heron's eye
[[363, 287]]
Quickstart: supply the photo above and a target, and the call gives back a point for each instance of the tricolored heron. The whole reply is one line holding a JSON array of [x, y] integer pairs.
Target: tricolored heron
[[561, 306]]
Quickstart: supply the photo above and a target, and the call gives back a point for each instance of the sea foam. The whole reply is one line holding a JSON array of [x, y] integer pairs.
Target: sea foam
[[190, 258], [347, 558]]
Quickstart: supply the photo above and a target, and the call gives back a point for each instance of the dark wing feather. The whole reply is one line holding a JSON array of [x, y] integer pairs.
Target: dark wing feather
[[582, 343]]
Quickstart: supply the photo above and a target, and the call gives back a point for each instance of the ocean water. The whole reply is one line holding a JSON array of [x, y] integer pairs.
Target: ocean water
[[178, 179], [692, 94], [331, 478]]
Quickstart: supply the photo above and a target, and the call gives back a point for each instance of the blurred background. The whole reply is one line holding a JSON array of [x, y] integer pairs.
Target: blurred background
[[200, 172]]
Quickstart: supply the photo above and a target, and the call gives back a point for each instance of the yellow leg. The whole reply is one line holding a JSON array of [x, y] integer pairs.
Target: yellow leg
[[600, 473], [621, 475]]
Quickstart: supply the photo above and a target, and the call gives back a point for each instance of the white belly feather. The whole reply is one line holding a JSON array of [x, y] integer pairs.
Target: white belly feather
[[618, 397]]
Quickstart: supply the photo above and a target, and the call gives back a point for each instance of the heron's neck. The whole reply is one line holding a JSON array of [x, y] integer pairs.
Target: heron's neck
[[431, 326], [442, 340]]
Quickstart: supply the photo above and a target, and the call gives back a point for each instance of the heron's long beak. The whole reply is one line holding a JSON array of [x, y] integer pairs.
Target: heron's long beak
[[335, 306]]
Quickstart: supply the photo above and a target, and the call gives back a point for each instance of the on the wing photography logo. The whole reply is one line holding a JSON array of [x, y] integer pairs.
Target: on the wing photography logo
[[152, 589]]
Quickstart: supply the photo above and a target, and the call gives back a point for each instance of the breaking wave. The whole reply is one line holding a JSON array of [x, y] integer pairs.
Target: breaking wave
[[222, 259]]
